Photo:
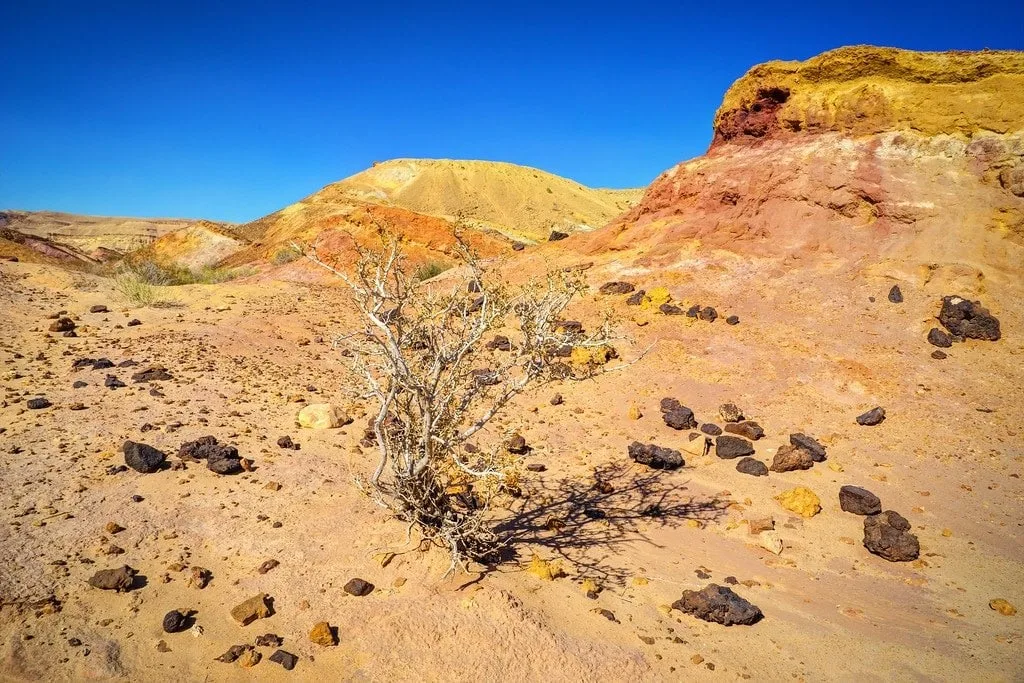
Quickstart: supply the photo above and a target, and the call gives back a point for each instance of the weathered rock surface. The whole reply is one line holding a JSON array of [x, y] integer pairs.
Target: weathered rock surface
[[676, 415], [800, 500], [655, 457], [873, 417], [323, 635], [142, 457], [322, 416], [752, 466], [718, 604], [358, 587], [859, 501], [810, 445], [732, 447], [748, 430], [968, 319], [789, 458], [888, 535], [119, 580], [250, 610]]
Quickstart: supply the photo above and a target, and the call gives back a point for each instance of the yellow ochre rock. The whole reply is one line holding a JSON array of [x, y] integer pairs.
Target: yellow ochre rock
[[863, 90], [800, 500], [547, 571], [322, 416]]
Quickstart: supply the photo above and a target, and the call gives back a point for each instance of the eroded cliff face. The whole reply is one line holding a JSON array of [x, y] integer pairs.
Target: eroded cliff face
[[869, 154], [864, 90]]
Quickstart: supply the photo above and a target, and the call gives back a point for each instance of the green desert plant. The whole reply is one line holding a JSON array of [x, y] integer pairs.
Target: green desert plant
[[134, 289], [429, 270], [286, 255]]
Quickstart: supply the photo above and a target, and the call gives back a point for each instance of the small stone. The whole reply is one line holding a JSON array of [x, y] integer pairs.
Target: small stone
[[536, 467], [718, 604], [162, 646], [1002, 606], [770, 541], [760, 525], [680, 417], [249, 658], [285, 659], [38, 403], [810, 445], [790, 458], [871, 418], [233, 653], [119, 580], [616, 288], [748, 430], [888, 535], [267, 566], [556, 400], [142, 457], [113, 528], [358, 587], [98, 308], [732, 320], [752, 467], [322, 416], [286, 442], [175, 621], [711, 429], [728, 447], [62, 325], [112, 382], [800, 500], [937, 337], [939, 355], [636, 298], [252, 609], [556, 236], [134, 322], [273, 486], [895, 295], [655, 457], [269, 640], [606, 613], [154, 373], [323, 634], [199, 577], [708, 314], [729, 412], [859, 501], [517, 445]]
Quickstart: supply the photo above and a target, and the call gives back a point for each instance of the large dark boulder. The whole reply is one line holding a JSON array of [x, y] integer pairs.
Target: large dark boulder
[[655, 457], [888, 536], [718, 604], [968, 319], [142, 457]]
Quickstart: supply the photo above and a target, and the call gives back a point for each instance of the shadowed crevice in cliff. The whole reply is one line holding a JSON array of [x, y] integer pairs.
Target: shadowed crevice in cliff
[[589, 522]]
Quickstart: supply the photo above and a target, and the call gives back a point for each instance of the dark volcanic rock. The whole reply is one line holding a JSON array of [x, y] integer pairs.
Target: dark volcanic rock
[[358, 587], [708, 313], [732, 320], [710, 429], [693, 311], [285, 659], [968, 319], [872, 417], [810, 445], [98, 308], [655, 457], [120, 579], [752, 467], [729, 447], [142, 457], [938, 355], [37, 403], [670, 309], [518, 246], [102, 364], [286, 442], [895, 295], [154, 373], [888, 536], [616, 288], [790, 458], [718, 604], [748, 430], [937, 337], [220, 458], [112, 382], [269, 640], [175, 621], [556, 235], [233, 653], [134, 322], [676, 415], [859, 501], [636, 298]]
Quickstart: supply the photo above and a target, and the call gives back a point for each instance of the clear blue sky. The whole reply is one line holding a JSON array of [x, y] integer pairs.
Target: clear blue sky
[[230, 110]]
